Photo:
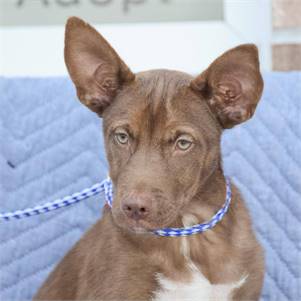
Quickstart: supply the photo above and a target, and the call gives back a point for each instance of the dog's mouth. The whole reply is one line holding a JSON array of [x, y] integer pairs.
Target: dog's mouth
[[138, 230], [143, 226], [139, 227]]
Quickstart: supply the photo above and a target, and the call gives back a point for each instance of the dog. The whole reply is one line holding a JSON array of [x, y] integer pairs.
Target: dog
[[162, 132]]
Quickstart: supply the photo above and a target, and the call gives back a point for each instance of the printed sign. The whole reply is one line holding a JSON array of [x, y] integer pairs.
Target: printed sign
[[55, 12]]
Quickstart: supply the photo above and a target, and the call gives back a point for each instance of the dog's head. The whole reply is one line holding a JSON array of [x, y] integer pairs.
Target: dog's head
[[162, 128]]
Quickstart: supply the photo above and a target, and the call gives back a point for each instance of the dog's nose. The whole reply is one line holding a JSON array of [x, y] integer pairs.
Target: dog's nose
[[135, 210]]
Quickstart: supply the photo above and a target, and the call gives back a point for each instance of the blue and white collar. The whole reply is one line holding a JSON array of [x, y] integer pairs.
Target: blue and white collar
[[185, 231], [107, 186]]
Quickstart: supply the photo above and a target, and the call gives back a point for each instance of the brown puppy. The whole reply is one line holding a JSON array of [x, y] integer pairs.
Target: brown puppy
[[162, 131]]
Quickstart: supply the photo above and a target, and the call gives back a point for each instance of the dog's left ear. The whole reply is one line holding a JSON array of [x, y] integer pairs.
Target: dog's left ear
[[95, 68], [232, 85]]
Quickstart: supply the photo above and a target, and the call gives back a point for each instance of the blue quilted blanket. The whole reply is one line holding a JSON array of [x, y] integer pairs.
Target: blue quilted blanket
[[51, 146]]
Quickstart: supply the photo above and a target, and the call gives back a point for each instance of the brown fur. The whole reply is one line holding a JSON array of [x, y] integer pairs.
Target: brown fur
[[114, 261]]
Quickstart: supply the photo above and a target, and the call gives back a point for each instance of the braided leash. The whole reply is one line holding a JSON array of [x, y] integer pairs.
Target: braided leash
[[106, 186]]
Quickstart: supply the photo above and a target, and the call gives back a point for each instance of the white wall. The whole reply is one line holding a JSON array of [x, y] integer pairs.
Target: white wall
[[187, 46]]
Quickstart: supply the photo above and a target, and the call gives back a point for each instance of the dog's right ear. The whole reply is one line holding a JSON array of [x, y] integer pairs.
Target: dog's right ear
[[95, 68]]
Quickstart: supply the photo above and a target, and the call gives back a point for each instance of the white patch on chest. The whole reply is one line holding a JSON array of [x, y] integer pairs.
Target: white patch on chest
[[197, 289]]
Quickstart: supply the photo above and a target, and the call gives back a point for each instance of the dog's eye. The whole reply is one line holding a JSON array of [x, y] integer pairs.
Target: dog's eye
[[183, 143], [122, 137]]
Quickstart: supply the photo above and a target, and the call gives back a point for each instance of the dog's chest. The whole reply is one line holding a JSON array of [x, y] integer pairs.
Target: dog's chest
[[198, 288]]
